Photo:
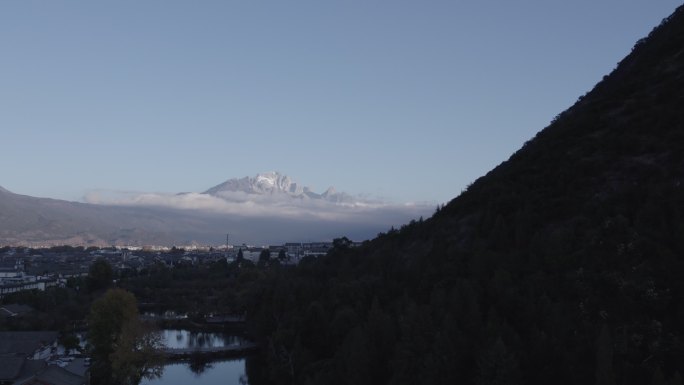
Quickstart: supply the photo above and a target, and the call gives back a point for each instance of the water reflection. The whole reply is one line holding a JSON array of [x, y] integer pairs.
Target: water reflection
[[200, 369], [214, 373], [166, 315], [184, 339], [198, 365]]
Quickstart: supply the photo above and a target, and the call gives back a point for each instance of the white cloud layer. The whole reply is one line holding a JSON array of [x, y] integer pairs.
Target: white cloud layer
[[280, 206]]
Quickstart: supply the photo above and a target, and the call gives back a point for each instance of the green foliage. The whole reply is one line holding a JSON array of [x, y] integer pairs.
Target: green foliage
[[123, 350], [136, 354], [54, 309], [264, 257], [99, 275], [70, 342], [340, 244]]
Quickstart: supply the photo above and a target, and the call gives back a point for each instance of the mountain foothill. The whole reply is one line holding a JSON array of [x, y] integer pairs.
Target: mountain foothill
[[563, 265], [269, 208]]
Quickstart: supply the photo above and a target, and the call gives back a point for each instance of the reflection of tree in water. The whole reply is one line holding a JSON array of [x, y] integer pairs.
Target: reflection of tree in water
[[199, 340], [202, 339], [180, 338], [231, 340], [199, 364]]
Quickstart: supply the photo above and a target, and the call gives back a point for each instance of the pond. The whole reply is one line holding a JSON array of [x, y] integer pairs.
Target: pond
[[214, 373], [224, 372]]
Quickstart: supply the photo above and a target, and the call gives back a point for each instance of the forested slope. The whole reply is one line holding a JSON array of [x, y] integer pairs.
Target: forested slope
[[563, 265]]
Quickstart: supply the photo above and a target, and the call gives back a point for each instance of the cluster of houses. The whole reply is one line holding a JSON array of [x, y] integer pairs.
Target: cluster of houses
[[26, 269], [14, 278], [36, 358]]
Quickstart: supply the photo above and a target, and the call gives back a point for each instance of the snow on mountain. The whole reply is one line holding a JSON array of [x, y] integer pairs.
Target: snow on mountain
[[274, 183], [263, 204]]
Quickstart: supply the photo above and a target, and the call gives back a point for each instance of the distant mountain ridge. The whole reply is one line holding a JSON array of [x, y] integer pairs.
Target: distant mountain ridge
[[267, 208], [275, 183], [26, 220]]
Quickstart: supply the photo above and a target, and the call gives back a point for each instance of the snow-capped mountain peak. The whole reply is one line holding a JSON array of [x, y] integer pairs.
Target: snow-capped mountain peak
[[273, 183]]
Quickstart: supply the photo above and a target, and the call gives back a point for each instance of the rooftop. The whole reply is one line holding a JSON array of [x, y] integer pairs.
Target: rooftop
[[25, 343]]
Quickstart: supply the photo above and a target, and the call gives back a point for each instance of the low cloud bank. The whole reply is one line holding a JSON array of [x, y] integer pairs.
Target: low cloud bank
[[279, 206]]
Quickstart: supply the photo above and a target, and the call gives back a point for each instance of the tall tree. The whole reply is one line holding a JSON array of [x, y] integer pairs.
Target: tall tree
[[99, 275], [341, 243], [264, 256], [123, 350]]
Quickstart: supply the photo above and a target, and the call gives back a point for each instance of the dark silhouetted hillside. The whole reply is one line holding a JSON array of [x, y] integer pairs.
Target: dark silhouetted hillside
[[563, 265]]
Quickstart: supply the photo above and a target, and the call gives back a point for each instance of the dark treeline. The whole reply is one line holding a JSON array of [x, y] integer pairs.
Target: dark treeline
[[217, 287], [563, 265]]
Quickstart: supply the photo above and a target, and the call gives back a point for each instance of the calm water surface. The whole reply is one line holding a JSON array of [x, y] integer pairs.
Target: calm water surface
[[226, 372], [178, 338], [215, 373]]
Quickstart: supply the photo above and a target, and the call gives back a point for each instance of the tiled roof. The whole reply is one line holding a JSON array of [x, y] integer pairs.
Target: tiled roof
[[54, 375], [10, 367], [14, 309], [24, 342]]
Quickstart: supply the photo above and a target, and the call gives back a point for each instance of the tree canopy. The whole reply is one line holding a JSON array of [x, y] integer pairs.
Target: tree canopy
[[123, 349], [99, 275]]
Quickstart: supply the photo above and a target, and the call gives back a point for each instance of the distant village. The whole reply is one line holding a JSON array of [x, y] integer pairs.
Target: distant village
[[37, 357], [39, 268]]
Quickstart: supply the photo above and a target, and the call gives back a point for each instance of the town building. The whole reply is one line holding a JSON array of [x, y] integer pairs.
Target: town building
[[26, 358]]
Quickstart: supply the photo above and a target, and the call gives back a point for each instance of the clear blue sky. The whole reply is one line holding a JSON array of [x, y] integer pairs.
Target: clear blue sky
[[408, 100]]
